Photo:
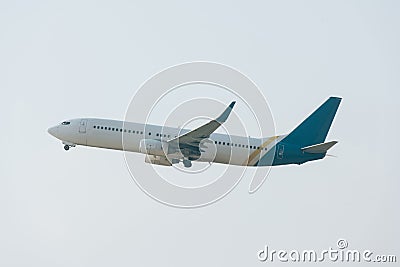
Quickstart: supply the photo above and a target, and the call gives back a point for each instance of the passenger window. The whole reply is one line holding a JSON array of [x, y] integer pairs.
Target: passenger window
[[156, 134], [223, 143], [227, 144], [149, 133], [137, 132], [94, 126]]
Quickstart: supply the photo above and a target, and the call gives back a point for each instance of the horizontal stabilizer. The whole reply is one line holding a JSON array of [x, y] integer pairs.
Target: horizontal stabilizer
[[319, 148]]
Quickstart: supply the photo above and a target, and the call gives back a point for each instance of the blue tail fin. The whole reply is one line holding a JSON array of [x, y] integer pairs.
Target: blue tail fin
[[314, 129]]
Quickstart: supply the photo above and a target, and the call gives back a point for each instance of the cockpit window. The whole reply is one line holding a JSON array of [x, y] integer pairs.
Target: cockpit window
[[65, 122]]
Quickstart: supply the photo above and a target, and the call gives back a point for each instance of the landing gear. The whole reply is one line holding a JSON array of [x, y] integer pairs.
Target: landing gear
[[187, 163], [175, 161], [68, 145]]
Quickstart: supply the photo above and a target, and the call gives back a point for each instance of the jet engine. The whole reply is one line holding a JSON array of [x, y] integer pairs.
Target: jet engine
[[152, 147], [158, 160]]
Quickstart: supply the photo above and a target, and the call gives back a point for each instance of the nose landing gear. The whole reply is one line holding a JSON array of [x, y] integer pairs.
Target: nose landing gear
[[68, 145]]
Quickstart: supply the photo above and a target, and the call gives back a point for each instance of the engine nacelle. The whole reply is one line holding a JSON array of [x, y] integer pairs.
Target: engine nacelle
[[152, 147], [158, 160]]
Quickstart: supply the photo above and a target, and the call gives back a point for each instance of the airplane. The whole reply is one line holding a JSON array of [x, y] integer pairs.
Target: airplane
[[165, 146]]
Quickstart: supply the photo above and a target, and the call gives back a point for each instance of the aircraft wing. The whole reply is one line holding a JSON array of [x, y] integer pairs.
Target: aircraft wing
[[194, 137]]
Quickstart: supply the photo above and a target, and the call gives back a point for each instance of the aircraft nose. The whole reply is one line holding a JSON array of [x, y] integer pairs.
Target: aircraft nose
[[53, 130]]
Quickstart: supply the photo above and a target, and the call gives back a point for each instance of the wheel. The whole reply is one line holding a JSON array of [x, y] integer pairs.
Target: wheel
[[66, 147], [187, 163], [175, 161]]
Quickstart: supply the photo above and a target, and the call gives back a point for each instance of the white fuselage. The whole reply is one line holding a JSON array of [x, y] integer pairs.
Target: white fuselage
[[127, 136]]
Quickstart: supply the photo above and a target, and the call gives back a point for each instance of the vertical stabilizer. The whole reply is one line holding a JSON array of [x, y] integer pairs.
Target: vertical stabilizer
[[314, 129]]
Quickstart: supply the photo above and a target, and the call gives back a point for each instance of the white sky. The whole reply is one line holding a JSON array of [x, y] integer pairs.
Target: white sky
[[87, 58]]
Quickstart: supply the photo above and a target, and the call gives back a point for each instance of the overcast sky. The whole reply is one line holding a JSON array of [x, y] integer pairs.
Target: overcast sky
[[87, 58]]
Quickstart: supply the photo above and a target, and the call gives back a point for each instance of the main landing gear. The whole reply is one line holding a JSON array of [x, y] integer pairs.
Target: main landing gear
[[66, 147], [187, 163]]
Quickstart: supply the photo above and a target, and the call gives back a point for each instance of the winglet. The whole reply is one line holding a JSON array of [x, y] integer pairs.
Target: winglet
[[224, 116]]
